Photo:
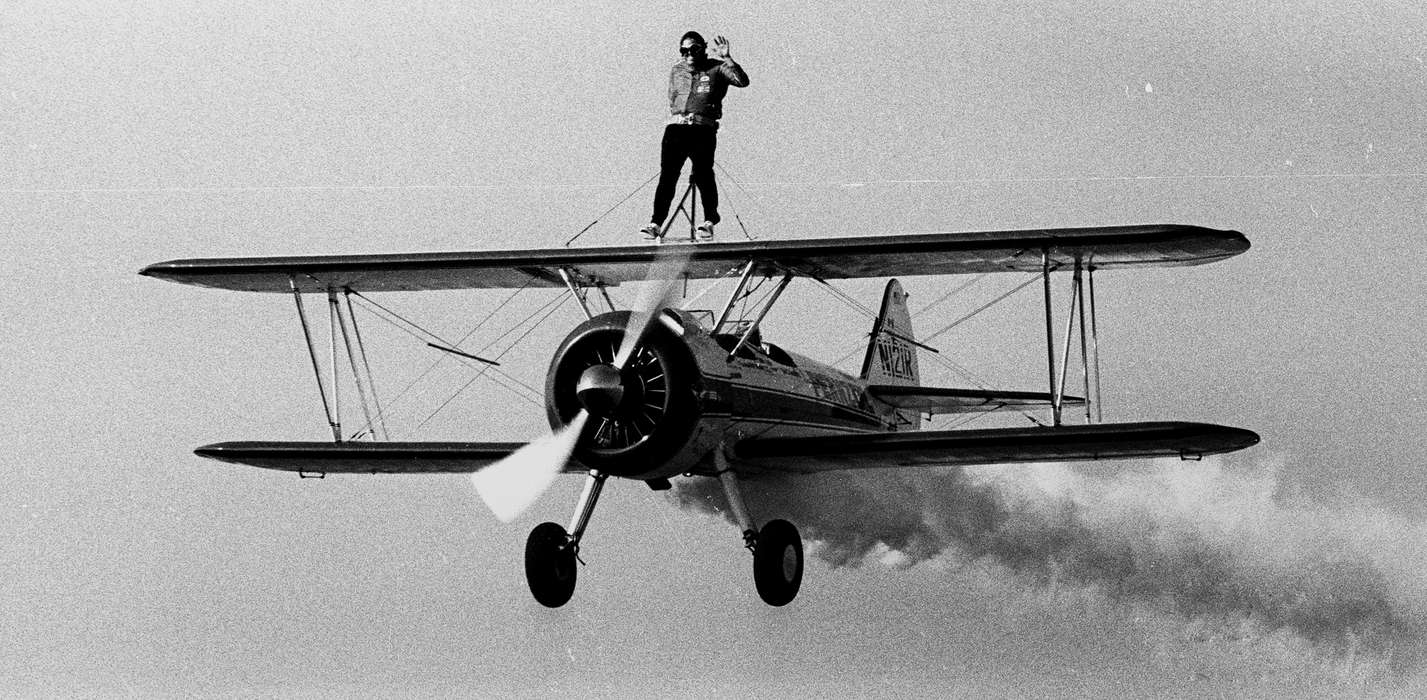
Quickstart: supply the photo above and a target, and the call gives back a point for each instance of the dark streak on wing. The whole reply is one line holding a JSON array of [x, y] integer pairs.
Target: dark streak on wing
[[1105, 247], [992, 446]]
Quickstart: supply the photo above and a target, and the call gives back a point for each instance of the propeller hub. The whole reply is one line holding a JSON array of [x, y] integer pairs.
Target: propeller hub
[[600, 389]]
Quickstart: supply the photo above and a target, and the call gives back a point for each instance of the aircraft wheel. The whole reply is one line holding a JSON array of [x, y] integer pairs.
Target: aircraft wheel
[[778, 562], [550, 565]]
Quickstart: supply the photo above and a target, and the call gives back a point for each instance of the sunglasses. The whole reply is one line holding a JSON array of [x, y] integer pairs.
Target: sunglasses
[[691, 50]]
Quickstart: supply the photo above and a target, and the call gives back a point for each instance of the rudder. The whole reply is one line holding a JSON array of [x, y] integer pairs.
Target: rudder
[[891, 353]]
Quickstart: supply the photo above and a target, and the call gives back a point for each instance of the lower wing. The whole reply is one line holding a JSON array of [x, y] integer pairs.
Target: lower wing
[[362, 457], [991, 446]]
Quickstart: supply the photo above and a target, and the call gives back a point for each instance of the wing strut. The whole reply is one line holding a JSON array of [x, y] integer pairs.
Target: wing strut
[[1069, 330], [367, 370], [733, 298], [767, 306], [605, 293], [316, 366], [579, 289], [741, 291], [1088, 346], [352, 355], [576, 291], [333, 311], [1049, 336], [1084, 349], [1095, 347], [342, 326]]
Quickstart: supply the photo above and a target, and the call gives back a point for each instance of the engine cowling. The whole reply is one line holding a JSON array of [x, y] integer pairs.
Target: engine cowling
[[641, 417]]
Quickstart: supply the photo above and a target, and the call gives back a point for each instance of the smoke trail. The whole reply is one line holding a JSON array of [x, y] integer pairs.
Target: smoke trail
[[1193, 539]]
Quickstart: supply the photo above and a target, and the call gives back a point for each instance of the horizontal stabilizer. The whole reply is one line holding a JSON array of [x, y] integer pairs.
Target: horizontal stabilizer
[[1066, 443], [936, 400], [362, 457]]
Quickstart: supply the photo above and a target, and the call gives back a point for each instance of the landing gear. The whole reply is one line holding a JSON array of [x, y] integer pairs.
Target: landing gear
[[551, 553], [777, 548], [550, 565], [778, 562]]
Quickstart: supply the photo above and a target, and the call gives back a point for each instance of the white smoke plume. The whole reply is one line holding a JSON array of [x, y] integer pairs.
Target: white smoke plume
[[1210, 543]]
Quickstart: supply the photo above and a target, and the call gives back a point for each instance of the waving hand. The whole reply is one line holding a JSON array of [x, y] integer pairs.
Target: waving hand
[[720, 46]]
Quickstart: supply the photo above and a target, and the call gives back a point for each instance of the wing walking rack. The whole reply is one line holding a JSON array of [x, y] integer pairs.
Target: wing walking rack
[[1029, 250]]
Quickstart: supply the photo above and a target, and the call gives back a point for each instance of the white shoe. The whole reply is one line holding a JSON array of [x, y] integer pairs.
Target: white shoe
[[705, 230], [651, 232]]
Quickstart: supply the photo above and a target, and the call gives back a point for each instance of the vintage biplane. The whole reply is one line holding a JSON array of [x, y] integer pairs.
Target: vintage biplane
[[657, 392]]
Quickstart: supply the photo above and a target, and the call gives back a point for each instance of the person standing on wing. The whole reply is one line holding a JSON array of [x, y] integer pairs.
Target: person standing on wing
[[697, 85]]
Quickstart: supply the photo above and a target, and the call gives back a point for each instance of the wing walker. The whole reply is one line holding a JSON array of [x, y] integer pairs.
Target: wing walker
[[656, 392]]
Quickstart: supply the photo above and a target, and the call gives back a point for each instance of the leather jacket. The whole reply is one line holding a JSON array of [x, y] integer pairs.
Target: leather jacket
[[696, 93]]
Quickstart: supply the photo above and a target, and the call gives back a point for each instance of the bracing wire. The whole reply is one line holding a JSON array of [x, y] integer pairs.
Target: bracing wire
[[748, 294], [510, 383], [607, 211], [556, 307], [741, 188], [418, 332], [689, 301], [492, 313], [936, 357], [957, 290], [513, 384], [953, 324], [758, 303], [437, 362], [983, 307], [844, 296]]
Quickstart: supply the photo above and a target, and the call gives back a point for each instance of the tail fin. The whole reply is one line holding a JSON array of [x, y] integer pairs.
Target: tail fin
[[891, 355]]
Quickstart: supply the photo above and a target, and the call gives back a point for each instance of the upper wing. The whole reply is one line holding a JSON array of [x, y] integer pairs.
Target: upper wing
[[362, 457], [959, 447], [821, 258], [934, 400]]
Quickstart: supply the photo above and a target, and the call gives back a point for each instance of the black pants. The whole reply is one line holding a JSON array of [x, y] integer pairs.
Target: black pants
[[695, 143]]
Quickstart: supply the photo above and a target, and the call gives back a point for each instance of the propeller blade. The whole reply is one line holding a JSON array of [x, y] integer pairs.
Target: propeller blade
[[665, 274], [511, 485]]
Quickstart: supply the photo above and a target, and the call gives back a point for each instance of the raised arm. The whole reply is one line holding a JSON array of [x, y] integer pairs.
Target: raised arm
[[730, 69]]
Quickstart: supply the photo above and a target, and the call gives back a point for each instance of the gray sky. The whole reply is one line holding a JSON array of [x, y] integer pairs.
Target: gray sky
[[138, 132]]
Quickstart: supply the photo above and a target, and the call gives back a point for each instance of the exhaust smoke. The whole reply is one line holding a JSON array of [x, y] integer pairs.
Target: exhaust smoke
[[1210, 544]]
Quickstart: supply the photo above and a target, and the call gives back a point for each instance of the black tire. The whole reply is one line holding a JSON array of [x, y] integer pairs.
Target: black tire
[[778, 562], [550, 565]]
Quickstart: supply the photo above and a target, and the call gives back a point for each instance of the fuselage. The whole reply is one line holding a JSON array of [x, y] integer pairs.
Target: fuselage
[[708, 394]]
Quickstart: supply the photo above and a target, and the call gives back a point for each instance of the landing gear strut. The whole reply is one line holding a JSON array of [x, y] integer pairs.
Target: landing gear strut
[[777, 548], [551, 553]]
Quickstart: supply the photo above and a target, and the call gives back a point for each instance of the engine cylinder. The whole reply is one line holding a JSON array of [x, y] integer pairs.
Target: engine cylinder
[[640, 417]]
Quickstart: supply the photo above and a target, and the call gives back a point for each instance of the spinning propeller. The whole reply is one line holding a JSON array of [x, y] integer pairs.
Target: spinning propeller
[[511, 485]]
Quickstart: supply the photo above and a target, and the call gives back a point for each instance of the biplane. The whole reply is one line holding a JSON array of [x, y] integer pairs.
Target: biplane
[[657, 392]]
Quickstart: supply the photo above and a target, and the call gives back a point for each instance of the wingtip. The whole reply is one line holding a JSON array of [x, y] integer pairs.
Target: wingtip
[[159, 270]]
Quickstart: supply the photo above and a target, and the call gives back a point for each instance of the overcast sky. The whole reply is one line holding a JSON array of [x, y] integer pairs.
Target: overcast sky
[[143, 131]]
